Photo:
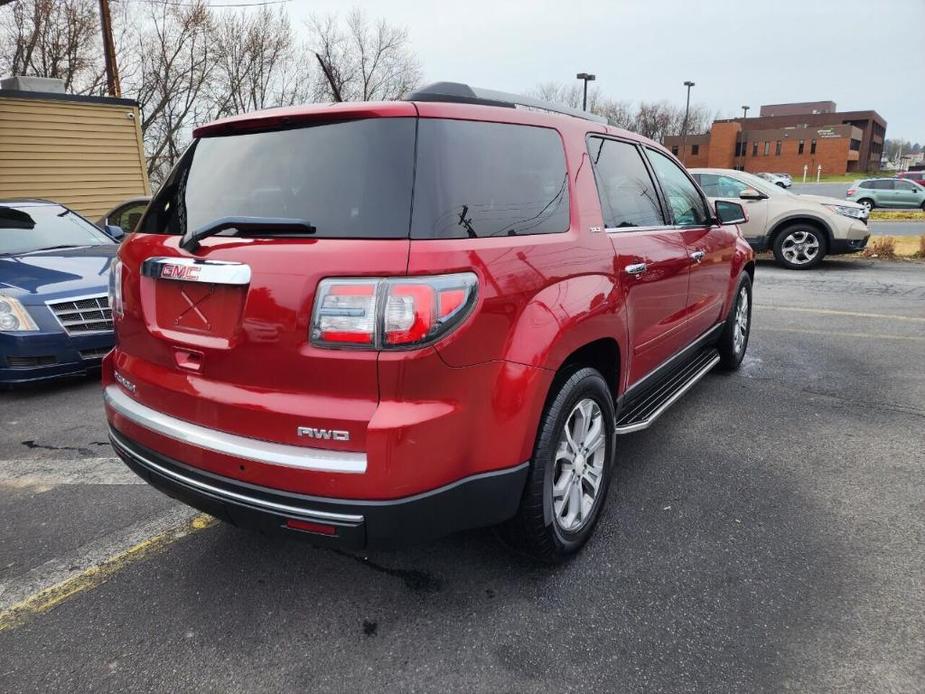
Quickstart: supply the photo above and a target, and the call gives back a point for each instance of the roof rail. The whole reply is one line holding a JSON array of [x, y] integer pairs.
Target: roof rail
[[457, 92]]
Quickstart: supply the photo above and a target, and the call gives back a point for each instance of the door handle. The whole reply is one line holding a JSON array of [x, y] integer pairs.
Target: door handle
[[636, 269], [697, 256]]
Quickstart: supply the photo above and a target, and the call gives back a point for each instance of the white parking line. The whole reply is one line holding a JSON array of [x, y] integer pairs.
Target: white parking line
[[834, 312], [46, 586], [41, 475]]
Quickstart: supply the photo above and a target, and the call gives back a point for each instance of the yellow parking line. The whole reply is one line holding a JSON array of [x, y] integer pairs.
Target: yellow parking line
[[875, 336], [834, 312], [95, 575]]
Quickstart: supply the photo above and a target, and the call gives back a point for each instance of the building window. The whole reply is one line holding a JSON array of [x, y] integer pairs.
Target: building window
[[802, 145], [856, 145], [754, 149], [674, 150], [767, 148], [777, 149], [695, 150], [812, 146]]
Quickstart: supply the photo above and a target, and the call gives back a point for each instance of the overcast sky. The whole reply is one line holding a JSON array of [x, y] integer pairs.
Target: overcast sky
[[861, 54]]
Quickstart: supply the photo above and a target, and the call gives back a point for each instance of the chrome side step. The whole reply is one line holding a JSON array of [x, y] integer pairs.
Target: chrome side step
[[647, 408]]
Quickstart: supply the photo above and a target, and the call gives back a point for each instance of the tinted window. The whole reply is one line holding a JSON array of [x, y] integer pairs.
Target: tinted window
[[488, 179], [628, 197], [351, 179], [880, 185], [687, 206], [716, 186], [54, 226], [904, 185]]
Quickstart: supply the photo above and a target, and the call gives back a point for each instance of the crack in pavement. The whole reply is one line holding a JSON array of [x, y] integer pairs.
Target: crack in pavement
[[83, 450]]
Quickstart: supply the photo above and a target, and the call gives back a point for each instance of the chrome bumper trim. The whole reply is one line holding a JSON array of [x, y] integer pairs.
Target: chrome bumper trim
[[315, 459], [230, 496]]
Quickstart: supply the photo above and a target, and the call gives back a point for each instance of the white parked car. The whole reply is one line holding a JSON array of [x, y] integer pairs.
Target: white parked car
[[799, 229], [778, 179]]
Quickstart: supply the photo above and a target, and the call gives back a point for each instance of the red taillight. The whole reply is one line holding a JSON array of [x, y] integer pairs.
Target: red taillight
[[852, 191], [391, 313]]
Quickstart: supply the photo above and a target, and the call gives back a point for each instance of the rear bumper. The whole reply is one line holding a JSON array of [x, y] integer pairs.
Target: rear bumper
[[476, 501]]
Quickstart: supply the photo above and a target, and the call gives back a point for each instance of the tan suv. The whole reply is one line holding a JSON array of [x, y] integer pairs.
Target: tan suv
[[799, 229]]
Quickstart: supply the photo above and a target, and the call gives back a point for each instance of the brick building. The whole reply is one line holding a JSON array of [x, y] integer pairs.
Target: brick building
[[787, 137]]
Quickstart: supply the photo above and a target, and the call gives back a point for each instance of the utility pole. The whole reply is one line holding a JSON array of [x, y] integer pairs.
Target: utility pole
[[587, 77], [687, 110], [109, 51]]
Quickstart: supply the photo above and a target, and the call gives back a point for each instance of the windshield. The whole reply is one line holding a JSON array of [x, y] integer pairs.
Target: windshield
[[348, 179], [55, 227]]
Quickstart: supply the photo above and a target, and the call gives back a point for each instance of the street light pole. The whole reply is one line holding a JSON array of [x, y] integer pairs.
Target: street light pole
[[745, 112], [586, 77], [687, 110]]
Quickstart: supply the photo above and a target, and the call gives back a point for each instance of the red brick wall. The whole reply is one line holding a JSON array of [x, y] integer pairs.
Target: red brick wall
[[831, 153], [723, 138]]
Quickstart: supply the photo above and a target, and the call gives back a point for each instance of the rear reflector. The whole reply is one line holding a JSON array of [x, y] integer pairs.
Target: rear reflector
[[309, 527], [393, 313]]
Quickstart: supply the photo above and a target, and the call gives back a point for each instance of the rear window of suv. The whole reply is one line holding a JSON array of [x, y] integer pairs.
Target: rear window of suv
[[358, 179], [349, 180]]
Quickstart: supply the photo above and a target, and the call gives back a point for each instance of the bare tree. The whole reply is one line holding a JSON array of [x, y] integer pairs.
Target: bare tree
[[257, 63], [53, 38], [617, 113], [362, 60], [570, 95], [173, 66]]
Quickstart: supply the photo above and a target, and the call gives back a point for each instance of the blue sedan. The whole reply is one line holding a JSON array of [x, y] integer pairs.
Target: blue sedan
[[55, 318]]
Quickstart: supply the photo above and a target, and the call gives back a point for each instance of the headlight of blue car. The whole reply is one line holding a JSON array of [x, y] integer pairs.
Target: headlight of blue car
[[14, 317]]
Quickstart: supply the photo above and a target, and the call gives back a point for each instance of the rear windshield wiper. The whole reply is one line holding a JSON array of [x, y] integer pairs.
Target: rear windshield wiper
[[275, 226]]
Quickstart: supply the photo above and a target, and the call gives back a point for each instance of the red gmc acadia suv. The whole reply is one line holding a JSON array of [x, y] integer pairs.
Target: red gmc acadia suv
[[375, 323]]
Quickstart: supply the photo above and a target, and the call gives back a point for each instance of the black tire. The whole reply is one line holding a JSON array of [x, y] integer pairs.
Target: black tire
[[781, 184], [732, 352], [535, 528], [869, 202], [785, 240]]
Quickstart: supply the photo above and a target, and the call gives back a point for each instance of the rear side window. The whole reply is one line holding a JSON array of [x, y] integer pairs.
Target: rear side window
[[716, 186], [627, 194], [478, 179], [349, 179], [687, 205], [881, 185]]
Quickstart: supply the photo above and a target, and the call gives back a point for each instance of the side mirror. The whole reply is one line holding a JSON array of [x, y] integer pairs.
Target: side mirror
[[116, 233], [752, 194], [730, 212]]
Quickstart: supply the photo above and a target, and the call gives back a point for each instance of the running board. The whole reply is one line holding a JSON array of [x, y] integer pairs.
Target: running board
[[646, 409]]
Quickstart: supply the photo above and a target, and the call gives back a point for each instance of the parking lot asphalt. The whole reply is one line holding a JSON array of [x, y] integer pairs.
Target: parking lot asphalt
[[765, 535]]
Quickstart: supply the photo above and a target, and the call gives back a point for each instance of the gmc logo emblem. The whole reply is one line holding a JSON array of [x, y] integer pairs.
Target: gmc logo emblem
[[180, 272], [328, 434]]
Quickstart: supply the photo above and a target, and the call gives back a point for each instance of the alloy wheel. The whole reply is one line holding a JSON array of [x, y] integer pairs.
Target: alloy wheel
[[800, 247], [579, 466], [740, 330]]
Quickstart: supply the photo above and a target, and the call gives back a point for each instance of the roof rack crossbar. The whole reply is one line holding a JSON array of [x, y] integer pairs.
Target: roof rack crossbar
[[457, 92]]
